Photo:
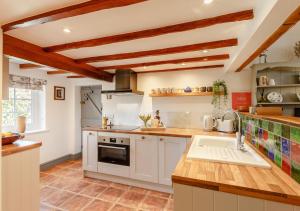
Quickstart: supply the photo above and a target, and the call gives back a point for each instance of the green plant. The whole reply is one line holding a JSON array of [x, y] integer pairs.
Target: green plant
[[220, 93]]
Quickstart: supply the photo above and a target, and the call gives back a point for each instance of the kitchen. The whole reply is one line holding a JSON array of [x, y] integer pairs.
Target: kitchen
[[128, 166]]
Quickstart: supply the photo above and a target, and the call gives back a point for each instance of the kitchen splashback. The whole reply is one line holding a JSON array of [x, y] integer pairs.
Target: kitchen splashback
[[182, 119], [279, 142]]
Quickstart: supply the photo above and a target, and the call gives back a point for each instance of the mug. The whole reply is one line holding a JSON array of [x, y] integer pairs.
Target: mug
[[271, 82], [209, 89], [203, 89]]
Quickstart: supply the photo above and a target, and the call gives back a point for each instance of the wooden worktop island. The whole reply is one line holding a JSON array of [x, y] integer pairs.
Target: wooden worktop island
[[20, 176], [212, 186]]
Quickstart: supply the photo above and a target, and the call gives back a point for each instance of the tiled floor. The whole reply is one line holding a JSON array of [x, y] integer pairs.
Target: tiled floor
[[63, 187]]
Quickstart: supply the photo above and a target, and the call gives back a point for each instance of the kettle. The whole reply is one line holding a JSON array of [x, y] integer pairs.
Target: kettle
[[209, 122], [226, 125]]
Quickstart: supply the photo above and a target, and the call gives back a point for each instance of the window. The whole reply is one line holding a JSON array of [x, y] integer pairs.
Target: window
[[26, 102]]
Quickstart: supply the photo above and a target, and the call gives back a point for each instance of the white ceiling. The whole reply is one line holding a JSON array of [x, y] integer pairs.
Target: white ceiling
[[283, 49], [145, 15], [12, 10]]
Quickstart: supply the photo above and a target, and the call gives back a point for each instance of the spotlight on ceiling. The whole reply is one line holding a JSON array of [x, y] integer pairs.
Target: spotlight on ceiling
[[67, 30], [207, 1]]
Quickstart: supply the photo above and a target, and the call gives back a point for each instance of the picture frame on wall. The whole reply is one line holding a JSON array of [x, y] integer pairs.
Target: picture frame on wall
[[59, 93]]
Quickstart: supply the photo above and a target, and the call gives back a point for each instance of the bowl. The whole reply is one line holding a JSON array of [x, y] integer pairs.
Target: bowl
[[10, 139]]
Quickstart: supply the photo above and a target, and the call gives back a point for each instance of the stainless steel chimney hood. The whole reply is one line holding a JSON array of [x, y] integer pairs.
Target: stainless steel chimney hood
[[125, 84]]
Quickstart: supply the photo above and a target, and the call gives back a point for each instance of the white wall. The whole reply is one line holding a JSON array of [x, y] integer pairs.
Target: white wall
[[56, 140], [183, 111], [188, 111]]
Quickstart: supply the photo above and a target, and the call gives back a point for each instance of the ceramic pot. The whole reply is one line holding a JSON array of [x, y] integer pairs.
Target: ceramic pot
[[203, 89], [209, 89], [21, 122]]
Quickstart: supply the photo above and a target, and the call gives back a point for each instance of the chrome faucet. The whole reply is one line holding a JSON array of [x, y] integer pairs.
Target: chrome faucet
[[240, 138]]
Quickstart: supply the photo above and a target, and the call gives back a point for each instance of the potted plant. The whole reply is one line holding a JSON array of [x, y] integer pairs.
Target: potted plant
[[220, 94]]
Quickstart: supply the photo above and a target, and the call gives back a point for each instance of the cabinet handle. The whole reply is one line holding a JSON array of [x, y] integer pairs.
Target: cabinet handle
[[90, 134], [161, 139], [143, 137]]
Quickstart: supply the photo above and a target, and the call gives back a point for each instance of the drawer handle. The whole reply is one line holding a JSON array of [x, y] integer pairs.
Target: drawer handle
[[143, 137], [161, 139], [90, 134]]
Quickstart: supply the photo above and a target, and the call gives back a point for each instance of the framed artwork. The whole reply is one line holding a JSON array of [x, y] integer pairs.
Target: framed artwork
[[59, 93]]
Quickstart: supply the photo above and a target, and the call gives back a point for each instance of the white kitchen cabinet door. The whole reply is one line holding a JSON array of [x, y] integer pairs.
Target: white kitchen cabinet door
[[90, 151], [170, 152], [144, 158]]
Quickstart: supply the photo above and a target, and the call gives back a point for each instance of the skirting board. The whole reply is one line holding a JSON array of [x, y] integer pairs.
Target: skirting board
[[129, 181], [49, 164]]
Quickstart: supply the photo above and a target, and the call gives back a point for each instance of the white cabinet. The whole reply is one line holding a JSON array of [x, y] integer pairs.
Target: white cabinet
[[21, 181], [144, 158], [190, 198], [90, 151], [170, 152]]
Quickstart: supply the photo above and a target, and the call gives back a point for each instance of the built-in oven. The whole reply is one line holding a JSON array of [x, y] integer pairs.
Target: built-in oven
[[114, 150]]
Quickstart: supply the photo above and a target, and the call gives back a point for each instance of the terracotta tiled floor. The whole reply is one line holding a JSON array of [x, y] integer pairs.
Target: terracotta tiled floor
[[63, 187]]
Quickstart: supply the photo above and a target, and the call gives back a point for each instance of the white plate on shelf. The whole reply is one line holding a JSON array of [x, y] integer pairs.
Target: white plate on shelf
[[298, 95], [275, 97]]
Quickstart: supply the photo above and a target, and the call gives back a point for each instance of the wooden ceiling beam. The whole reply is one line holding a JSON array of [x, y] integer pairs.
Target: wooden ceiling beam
[[30, 66], [232, 17], [56, 72], [76, 76], [30, 52], [287, 25], [66, 12], [164, 51], [181, 69], [175, 61]]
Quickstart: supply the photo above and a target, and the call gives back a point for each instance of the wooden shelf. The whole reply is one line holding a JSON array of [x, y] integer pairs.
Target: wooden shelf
[[283, 103], [279, 86], [182, 94]]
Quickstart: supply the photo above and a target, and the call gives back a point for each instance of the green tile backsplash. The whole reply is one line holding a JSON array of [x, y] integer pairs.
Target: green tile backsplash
[[295, 134], [279, 142]]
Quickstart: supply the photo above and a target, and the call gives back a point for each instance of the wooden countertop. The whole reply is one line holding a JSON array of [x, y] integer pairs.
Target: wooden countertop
[[19, 146], [269, 184], [290, 120], [175, 132]]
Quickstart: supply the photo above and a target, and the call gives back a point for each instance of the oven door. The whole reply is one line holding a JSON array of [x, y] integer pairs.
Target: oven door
[[114, 153]]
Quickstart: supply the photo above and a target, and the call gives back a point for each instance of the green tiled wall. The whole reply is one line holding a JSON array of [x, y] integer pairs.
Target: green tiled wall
[[279, 142]]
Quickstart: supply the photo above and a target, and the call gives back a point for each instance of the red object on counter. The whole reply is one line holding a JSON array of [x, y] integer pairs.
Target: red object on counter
[[241, 99]]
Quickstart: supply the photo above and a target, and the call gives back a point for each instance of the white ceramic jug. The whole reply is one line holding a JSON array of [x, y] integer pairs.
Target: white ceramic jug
[[209, 123]]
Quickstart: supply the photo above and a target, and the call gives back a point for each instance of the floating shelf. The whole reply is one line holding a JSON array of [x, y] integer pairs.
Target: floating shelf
[[279, 86], [283, 103], [182, 94]]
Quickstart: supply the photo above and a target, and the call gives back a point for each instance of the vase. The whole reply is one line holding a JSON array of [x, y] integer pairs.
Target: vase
[[21, 122]]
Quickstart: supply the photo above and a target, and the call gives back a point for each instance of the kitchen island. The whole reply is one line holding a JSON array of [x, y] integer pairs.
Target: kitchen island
[[202, 184], [21, 176]]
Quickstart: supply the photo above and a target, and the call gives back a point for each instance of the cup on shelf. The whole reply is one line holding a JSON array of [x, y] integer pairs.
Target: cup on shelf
[[271, 82], [203, 89], [209, 89]]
